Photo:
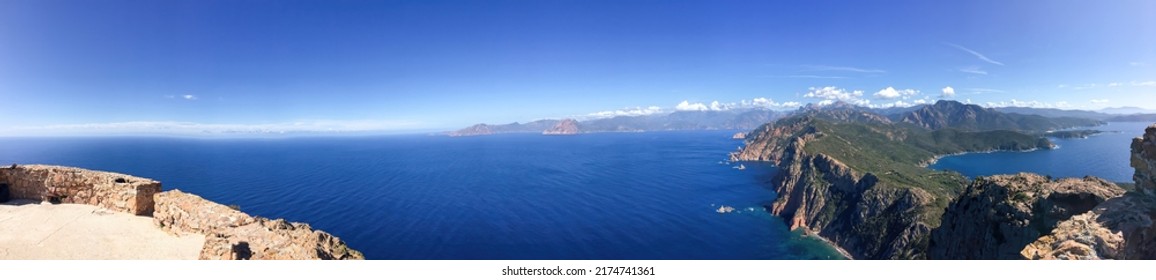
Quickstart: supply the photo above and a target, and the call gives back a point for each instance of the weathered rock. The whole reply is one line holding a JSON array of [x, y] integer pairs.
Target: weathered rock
[[739, 135], [565, 127], [1120, 228], [724, 209], [177, 211], [996, 216], [234, 235], [275, 240], [1144, 161], [60, 184]]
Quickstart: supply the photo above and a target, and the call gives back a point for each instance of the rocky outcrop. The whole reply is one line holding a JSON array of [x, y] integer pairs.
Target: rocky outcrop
[[60, 184], [739, 135], [1120, 228], [997, 216], [234, 235], [565, 127], [1144, 161], [770, 141]]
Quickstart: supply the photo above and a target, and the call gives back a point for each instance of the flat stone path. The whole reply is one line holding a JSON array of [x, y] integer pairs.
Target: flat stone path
[[34, 231]]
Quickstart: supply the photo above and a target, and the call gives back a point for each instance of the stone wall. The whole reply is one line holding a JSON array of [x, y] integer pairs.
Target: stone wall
[[118, 192], [234, 235]]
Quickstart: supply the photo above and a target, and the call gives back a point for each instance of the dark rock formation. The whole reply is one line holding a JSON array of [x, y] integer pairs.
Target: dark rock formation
[[564, 127], [996, 216]]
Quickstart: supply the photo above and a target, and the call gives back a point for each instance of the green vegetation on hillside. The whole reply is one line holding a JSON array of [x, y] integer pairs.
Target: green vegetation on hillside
[[895, 153]]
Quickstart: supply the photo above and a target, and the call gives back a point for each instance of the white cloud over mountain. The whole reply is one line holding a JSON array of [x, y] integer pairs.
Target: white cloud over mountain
[[948, 92], [833, 93], [892, 93]]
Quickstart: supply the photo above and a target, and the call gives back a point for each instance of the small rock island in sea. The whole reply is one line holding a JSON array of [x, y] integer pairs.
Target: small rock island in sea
[[174, 224]]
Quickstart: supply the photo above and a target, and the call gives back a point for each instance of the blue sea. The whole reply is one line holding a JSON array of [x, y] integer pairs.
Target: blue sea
[[1104, 155], [514, 196]]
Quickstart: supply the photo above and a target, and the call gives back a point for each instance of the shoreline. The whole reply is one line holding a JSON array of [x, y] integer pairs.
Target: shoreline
[[935, 159], [806, 233]]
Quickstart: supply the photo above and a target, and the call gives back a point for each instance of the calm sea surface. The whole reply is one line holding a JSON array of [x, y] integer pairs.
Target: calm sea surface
[[516, 196], [1105, 155]]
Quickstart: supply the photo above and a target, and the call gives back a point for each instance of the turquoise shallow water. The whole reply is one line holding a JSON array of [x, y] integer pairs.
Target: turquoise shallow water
[[1105, 155], [517, 196]]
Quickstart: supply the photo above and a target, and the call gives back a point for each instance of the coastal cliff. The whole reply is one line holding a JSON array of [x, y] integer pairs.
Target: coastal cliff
[[997, 216], [853, 177]]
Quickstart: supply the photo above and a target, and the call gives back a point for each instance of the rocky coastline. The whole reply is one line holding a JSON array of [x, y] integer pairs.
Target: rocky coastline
[[1021, 216]]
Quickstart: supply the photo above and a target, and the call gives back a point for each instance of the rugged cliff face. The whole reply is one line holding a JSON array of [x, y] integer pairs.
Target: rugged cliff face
[[1120, 228], [853, 177], [822, 195], [996, 216]]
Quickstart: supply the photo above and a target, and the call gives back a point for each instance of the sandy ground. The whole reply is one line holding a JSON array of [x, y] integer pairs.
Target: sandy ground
[[33, 231]]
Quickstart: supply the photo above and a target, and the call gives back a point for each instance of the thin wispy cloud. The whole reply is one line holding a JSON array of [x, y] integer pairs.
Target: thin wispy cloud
[[1137, 63], [629, 112], [1144, 84], [1100, 101], [214, 129], [976, 54], [841, 68], [1030, 104], [984, 90], [183, 96], [973, 70], [1084, 86], [815, 77]]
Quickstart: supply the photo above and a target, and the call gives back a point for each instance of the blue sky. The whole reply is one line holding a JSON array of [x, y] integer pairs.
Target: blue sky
[[438, 65]]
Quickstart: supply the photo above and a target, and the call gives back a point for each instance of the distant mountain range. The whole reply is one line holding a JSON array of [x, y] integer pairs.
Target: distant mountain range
[[1126, 111], [968, 117], [1118, 114], [942, 114], [681, 120]]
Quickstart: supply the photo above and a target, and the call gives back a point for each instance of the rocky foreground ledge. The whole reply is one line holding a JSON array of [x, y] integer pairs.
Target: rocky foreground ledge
[[229, 234]]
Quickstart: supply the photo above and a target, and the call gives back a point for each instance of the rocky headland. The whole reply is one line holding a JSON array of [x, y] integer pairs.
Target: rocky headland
[[229, 234], [856, 180], [564, 127]]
